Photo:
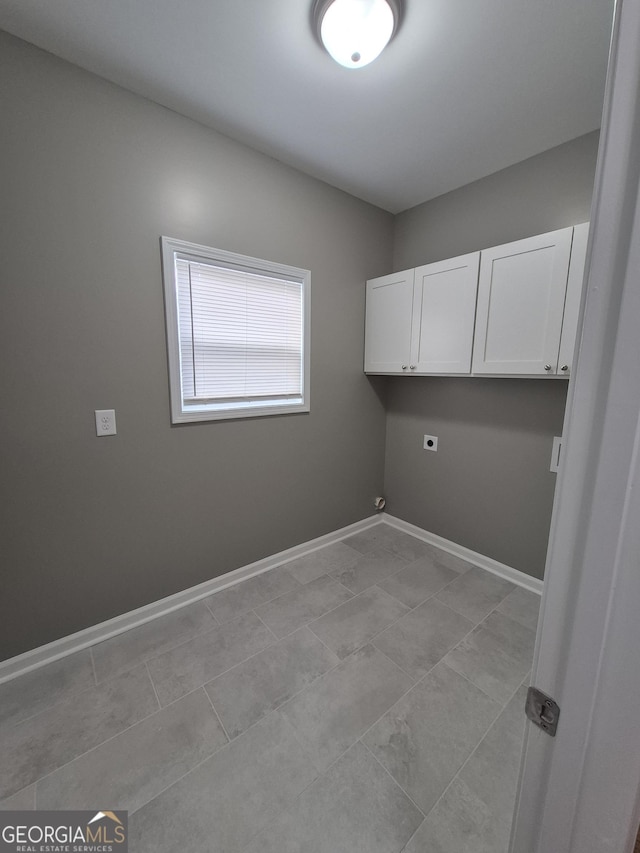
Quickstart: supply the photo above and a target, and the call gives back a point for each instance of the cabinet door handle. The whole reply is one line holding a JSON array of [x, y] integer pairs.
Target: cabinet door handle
[[412, 366], [564, 368], [547, 367], [404, 366]]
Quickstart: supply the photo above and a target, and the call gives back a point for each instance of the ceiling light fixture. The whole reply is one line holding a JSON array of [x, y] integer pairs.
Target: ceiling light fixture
[[355, 32]]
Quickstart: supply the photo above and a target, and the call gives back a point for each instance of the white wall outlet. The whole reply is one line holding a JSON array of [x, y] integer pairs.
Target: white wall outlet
[[430, 442], [105, 422], [555, 454]]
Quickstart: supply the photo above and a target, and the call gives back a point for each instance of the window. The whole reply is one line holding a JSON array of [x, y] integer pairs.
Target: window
[[237, 334]]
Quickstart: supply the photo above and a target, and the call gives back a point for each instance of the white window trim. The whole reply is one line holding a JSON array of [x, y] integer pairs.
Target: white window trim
[[179, 414]]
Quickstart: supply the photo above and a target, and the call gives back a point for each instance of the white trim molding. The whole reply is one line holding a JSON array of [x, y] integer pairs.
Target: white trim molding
[[35, 658], [21, 664], [580, 790], [488, 563]]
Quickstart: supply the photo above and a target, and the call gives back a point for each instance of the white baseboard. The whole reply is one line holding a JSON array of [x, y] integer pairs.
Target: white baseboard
[[21, 664], [491, 565], [35, 658]]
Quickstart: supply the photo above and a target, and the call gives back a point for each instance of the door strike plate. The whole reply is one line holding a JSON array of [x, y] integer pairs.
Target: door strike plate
[[542, 710]]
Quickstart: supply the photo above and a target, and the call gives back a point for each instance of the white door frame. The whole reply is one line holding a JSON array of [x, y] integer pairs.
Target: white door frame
[[580, 792]]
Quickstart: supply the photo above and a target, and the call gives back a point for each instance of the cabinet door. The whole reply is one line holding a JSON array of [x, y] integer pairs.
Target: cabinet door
[[444, 313], [388, 323], [574, 295], [521, 296]]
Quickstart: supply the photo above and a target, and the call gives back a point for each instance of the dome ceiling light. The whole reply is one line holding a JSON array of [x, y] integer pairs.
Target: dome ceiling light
[[355, 32]]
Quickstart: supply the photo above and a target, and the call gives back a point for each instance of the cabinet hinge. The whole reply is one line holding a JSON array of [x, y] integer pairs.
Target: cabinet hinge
[[542, 710]]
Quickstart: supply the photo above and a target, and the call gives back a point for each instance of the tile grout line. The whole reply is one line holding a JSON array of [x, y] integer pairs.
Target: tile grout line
[[373, 637], [213, 616], [399, 699], [357, 595], [411, 609], [319, 775], [133, 725], [126, 729], [302, 689], [405, 560], [21, 791], [395, 621], [320, 548], [390, 595], [74, 695], [408, 674], [150, 657], [279, 707], [259, 603], [216, 625], [315, 618], [491, 612], [393, 779], [184, 775], [494, 608], [472, 753], [229, 668], [217, 715], [377, 720], [511, 618], [322, 643], [93, 666], [329, 573], [307, 624], [153, 685], [224, 746], [483, 618], [96, 746], [273, 633], [417, 683], [469, 681], [284, 701], [146, 660], [420, 603], [325, 674], [250, 657], [469, 757], [301, 626], [376, 586], [331, 567]]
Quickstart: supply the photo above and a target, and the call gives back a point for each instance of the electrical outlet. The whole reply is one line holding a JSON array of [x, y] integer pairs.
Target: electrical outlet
[[105, 422], [430, 442]]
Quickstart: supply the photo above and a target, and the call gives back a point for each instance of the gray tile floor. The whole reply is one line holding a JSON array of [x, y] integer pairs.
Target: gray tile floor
[[366, 698]]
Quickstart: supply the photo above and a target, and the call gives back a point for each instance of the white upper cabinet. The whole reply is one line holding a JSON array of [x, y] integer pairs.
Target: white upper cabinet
[[388, 323], [574, 295], [421, 321], [521, 296], [444, 307], [507, 311]]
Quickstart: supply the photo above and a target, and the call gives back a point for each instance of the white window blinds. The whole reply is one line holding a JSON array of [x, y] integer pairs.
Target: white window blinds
[[240, 334], [237, 334]]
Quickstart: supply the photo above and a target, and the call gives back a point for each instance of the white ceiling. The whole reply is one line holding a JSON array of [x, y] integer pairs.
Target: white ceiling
[[467, 87]]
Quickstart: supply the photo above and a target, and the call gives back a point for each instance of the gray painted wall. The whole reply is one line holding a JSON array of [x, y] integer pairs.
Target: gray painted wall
[[94, 176], [91, 177], [489, 486], [540, 194]]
